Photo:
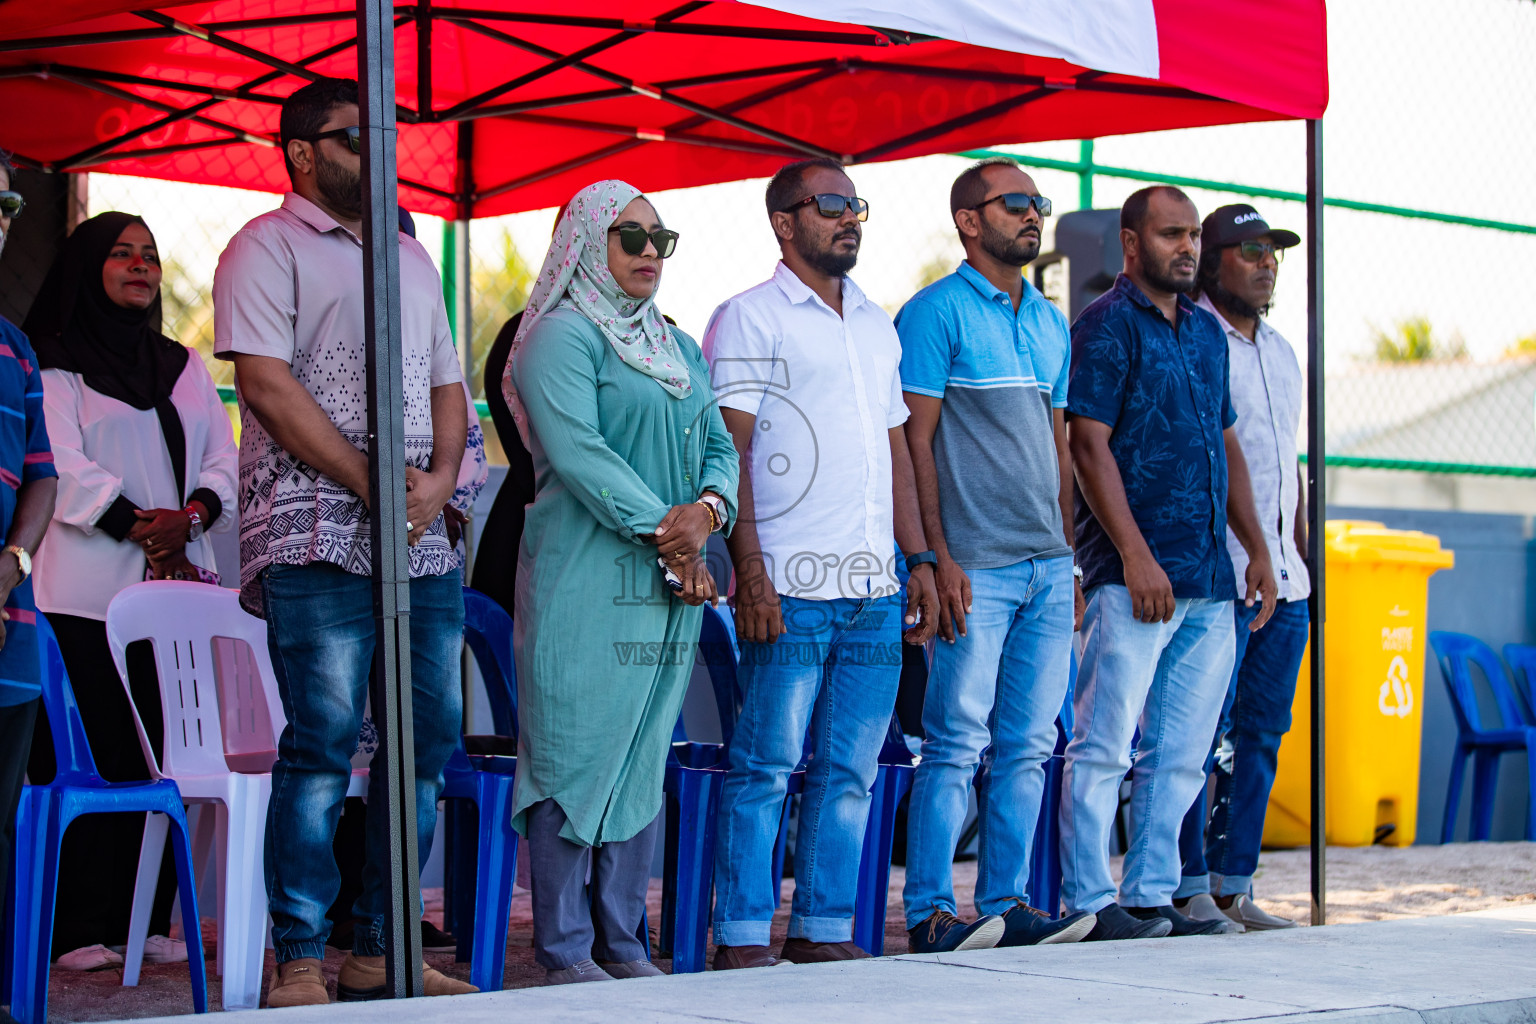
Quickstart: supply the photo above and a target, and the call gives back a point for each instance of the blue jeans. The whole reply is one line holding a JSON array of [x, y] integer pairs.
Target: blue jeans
[[834, 670], [997, 690], [1256, 716], [1168, 679], [320, 632]]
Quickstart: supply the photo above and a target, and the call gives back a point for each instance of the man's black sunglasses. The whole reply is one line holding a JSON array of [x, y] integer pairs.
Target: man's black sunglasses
[[1019, 202], [632, 237], [830, 204], [1252, 252], [12, 203], [353, 134]]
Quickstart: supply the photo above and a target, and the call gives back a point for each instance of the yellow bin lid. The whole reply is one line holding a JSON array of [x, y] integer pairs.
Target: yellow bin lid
[[1361, 541]]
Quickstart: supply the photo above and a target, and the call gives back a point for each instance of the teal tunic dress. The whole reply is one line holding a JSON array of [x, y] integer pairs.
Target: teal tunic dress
[[603, 649]]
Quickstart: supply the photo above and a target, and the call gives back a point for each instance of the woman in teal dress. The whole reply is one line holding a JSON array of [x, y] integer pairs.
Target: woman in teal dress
[[632, 464]]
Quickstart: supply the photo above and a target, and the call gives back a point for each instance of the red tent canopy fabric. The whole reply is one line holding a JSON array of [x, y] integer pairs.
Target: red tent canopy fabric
[[509, 105]]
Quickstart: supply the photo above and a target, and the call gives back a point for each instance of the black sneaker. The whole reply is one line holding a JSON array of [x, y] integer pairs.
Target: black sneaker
[[1115, 923], [1023, 925], [1181, 925], [435, 940], [943, 932]]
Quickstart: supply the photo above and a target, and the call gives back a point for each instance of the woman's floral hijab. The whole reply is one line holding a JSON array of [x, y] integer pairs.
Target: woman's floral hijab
[[576, 274]]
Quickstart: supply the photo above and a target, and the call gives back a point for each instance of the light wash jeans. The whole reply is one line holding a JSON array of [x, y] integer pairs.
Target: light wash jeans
[[836, 671], [1168, 678], [997, 689]]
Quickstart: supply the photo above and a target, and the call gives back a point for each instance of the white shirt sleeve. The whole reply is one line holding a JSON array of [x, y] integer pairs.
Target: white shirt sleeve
[[742, 353], [897, 414], [254, 304], [86, 490]]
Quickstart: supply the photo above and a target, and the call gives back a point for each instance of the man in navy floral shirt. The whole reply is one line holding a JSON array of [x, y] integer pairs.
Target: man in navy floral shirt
[[1159, 475]]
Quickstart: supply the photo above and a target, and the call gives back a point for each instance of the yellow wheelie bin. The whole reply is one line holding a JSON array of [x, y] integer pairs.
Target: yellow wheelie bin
[[1378, 587]]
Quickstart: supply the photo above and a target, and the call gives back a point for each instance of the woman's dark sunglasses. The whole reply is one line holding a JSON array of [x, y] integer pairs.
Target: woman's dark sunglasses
[[353, 135], [830, 204], [1252, 252], [11, 204], [1019, 202], [632, 237]]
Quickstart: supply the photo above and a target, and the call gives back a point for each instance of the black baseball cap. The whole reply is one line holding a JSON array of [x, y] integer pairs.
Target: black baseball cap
[[1239, 222]]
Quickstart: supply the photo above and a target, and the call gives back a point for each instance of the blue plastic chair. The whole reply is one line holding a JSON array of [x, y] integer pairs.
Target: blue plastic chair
[[482, 844], [43, 817], [1521, 659], [893, 781], [695, 778], [1457, 653], [695, 775]]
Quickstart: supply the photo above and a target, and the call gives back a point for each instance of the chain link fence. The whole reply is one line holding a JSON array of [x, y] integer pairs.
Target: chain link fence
[[1430, 331]]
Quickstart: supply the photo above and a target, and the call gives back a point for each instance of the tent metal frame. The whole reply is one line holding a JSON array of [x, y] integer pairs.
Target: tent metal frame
[[377, 21], [422, 17]]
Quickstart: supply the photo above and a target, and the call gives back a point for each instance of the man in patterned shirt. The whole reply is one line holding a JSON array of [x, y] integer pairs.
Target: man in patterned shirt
[[288, 311], [1159, 472]]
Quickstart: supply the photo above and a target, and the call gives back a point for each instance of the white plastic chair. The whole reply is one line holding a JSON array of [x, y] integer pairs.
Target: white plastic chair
[[222, 715]]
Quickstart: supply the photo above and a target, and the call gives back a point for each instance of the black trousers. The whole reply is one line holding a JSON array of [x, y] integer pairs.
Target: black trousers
[[100, 856], [15, 741]]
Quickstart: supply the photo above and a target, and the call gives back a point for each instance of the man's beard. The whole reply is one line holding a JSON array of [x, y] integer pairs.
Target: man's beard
[[1163, 280], [1010, 250], [341, 188], [1227, 301], [829, 262]]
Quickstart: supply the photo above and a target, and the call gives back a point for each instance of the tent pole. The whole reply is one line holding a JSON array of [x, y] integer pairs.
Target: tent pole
[[1317, 504], [386, 430], [1085, 175]]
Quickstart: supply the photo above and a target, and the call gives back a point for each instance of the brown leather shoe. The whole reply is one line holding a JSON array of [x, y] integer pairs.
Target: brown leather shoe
[[362, 978], [436, 983], [298, 983], [804, 951], [735, 958]]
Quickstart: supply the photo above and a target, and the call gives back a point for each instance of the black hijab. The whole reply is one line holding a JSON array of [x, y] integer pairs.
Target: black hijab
[[75, 327]]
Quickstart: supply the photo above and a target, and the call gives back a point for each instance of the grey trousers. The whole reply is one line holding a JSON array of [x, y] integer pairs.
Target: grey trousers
[[568, 925]]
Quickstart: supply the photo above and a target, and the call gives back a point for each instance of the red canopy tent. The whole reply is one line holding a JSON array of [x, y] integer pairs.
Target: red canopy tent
[[506, 105], [509, 105]]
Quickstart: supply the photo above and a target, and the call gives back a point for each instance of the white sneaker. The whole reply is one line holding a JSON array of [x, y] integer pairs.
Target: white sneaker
[[1202, 907], [89, 958], [1246, 913], [584, 970]]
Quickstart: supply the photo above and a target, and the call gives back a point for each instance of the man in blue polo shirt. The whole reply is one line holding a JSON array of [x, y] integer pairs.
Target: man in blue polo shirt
[[984, 369], [1160, 473]]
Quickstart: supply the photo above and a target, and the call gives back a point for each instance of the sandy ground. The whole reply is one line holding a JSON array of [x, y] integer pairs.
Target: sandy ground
[[1367, 884]]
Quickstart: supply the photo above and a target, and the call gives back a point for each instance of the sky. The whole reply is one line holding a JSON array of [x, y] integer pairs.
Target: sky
[[1430, 108]]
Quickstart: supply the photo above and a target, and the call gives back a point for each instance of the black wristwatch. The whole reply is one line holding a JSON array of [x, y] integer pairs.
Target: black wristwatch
[[921, 558]]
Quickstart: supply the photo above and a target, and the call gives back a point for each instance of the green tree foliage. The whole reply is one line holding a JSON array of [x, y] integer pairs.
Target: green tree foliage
[[500, 284], [1413, 340], [186, 305], [1522, 349]]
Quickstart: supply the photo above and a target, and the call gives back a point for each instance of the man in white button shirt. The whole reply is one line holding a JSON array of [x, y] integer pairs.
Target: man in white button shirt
[[805, 369], [1240, 257]]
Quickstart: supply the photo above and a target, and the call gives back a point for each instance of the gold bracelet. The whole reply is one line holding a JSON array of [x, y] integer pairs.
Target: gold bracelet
[[714, 518]]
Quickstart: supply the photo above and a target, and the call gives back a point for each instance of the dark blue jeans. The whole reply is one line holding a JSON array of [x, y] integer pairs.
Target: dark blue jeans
[[320, 632], [1222, 857]]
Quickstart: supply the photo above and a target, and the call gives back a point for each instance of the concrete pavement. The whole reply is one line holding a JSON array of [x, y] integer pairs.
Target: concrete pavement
[[1445, 970]]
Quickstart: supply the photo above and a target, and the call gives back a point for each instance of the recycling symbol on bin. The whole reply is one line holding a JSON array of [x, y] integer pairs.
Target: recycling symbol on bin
[[1396, 695]]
